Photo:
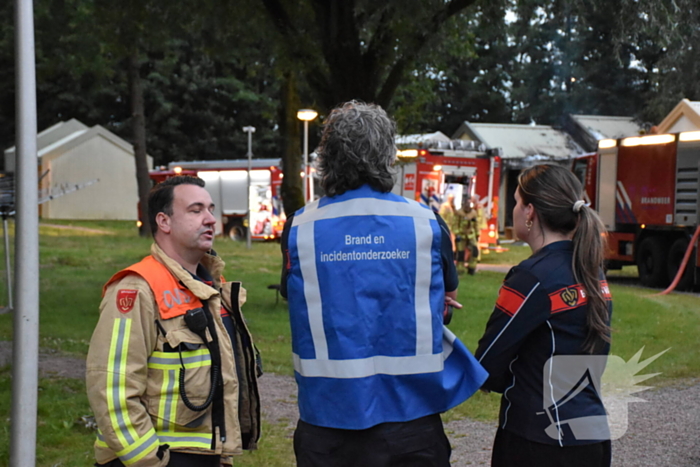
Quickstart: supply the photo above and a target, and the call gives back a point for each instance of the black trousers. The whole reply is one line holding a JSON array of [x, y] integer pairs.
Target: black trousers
[[417, 443], [511, 450], [179, 459]]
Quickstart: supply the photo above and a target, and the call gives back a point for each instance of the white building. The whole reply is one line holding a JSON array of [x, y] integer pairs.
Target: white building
[[94, 160], [684, 117]]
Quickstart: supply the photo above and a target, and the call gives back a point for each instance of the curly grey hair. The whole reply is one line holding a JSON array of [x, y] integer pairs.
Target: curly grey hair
[[357, 148]]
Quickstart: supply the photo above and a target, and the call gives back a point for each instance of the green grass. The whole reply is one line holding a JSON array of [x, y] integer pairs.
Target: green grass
[[511, 253], [62, 438], [76, 263]]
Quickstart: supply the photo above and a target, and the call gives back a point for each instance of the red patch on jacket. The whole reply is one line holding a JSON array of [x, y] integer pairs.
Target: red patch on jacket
[[126, 298], [509, 300]]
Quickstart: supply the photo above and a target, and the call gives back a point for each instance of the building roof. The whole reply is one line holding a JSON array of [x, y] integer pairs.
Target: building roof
[[534, 142], [421, 139], [684, 117], [603, 127], [63, 136], [55, 133], [587, 130]]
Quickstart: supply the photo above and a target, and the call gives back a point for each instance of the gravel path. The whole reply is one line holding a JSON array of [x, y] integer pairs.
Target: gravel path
[[664, 431]]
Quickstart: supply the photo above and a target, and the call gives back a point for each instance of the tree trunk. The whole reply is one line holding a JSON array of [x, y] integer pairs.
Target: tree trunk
[[138, 122], [292, 186]]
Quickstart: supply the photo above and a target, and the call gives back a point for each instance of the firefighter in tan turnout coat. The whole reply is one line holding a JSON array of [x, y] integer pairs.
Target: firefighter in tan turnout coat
[[171, 370]]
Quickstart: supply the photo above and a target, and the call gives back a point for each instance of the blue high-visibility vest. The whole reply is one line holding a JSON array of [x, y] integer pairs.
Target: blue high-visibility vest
[[366, 296]]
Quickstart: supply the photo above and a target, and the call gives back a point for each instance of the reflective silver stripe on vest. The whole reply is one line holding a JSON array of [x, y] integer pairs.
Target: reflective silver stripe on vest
[[424, 361], [184, 440], [424, 260], [363, 367], [363, 207], [116, 383], [312, 293], [145, 445], [168, 406], [157, 359]]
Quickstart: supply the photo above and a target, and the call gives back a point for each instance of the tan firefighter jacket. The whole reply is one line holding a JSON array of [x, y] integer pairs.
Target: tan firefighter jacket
[[135, 359]]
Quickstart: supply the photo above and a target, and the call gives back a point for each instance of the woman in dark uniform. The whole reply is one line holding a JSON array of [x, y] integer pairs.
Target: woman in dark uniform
[[546, 342]]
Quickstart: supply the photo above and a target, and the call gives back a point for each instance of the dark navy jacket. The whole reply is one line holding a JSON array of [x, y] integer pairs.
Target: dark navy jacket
[[541, 313]]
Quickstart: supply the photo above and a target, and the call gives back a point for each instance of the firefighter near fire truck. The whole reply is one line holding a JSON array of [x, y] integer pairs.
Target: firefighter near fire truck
[[467, 235], [448, 213], [431, 170]]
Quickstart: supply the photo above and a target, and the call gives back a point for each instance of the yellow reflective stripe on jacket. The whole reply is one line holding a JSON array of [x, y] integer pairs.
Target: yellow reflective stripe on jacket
[[167, 407], [171, 360], [100, 441], [140, 448], [185, 440], [116, 383]]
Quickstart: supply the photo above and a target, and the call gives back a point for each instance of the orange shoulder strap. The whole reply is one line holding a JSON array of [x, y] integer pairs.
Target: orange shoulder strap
[[172, 297]]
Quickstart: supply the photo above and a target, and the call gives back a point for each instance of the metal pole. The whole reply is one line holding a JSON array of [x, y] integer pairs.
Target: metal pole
[[306, 161], [250, 130], [25, 361], [312, 193], [492, 174], [8, 262]]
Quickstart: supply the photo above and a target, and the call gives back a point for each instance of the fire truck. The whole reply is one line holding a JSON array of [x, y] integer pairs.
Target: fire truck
[[227, 183], [434, 169], [645, 189]]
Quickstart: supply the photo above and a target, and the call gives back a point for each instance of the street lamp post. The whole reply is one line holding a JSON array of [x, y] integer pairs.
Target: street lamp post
[[250, 130], [306, 115]]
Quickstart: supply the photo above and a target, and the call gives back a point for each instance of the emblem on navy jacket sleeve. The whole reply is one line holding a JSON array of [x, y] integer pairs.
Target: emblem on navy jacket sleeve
[[569, 296]]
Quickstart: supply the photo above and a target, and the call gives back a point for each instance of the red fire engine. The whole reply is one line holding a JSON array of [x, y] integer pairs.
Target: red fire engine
[[645, 189], [227, 183], [429, 172]]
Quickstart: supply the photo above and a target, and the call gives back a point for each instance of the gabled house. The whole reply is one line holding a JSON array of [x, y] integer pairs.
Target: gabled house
[[93, 167], [522, 146], [684, 117]]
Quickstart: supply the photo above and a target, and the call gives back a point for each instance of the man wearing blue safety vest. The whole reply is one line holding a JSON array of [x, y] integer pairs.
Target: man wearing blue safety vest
[[368, 275]]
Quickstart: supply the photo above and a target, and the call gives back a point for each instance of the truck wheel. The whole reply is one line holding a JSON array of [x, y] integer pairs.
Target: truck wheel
[[237, 232], [675, 257], [651, 262]]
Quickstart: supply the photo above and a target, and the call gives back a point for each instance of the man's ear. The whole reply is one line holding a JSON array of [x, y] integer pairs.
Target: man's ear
[[163, 222]]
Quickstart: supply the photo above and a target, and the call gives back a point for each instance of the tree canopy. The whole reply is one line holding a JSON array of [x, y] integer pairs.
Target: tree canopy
[[208, 68]]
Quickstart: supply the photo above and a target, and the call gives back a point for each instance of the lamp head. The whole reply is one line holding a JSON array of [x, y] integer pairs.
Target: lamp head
[[307, 114]]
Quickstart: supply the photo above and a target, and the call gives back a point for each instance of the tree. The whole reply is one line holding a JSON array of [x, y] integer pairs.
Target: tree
[[472, 68], [198, 100], [74, 80], [7, 77], [355, 49], [358, 49], [671, 31], [129, 30]]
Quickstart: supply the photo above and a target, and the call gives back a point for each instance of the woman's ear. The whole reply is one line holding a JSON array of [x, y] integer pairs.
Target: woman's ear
[[530, 213]]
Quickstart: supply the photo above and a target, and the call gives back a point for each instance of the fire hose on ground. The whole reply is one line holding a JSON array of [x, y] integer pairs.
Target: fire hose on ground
[[684, 263]]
